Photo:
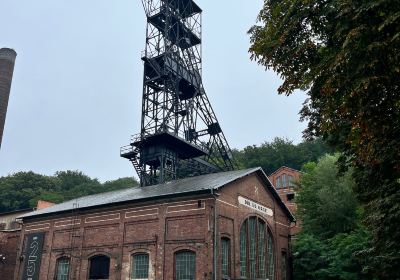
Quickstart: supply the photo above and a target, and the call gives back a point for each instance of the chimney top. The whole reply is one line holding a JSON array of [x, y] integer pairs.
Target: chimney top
[[8, 54]]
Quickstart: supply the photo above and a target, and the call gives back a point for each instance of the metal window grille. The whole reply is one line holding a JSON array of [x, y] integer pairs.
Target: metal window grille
[[261, 250], [140, 266], [225, 256], [252, 247], [256, 246], [271, 264], [185, 265], [62, 269], [243, 249]]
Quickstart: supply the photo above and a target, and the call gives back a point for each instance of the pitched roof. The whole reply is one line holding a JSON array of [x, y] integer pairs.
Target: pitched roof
[[187, 186], [284, 167]]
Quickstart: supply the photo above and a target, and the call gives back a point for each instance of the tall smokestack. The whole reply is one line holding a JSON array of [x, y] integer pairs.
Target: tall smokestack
[[7, 61]]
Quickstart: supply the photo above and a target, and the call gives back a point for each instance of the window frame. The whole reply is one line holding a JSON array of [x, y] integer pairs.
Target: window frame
[[228, 258], [175, 262], [133, 266], [56, 272], [269, 271]]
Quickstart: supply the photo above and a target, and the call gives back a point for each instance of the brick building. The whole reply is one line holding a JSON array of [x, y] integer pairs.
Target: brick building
[[10, 233], [229, 225], [284, 180]]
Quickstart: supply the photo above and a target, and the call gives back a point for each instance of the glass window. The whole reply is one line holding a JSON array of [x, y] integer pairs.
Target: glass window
[[62, 272], [99, 267], [185, 265], [225, 257], [284, 181], [256, 251], [279, 182], [271, 263], [140, 266], [284, 266], [243, 250], [291, 181]]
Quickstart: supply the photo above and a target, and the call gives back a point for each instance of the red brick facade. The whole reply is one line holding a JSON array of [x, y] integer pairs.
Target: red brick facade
[[284, 180], [9, 242], [161, 228]]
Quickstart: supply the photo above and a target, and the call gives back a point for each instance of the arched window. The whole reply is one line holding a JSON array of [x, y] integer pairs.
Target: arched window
[[256, 250], [185, 265], [99, 267], [225, 258], [62, 268], [140, 266]]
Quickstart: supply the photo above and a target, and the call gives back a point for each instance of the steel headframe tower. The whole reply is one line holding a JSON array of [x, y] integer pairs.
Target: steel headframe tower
[[180, 135]]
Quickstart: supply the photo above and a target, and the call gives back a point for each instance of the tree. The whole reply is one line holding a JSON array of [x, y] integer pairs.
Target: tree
[[331, 232], [280, 152], [345, 54], [326, 202], [23, 189]]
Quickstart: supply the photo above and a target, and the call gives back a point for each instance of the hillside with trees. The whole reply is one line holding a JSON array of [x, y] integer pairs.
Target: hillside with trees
[[281, 152], [23, 189]]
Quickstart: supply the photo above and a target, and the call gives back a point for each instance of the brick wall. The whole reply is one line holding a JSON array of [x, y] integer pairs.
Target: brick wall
[[9, 242], [287, 192], [160, 228]]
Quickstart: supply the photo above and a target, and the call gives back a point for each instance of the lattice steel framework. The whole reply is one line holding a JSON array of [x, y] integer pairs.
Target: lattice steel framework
[[180, 134]]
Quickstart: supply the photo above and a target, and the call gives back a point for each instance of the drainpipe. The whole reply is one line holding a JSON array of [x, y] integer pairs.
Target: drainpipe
[[215, 236]]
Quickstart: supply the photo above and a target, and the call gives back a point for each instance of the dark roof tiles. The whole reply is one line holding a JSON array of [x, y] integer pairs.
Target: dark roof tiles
[[203, 183]]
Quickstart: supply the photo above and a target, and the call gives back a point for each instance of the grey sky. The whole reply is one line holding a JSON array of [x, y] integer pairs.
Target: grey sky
[[76, 92]]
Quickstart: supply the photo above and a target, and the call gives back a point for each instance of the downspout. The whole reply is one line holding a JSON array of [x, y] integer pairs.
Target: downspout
[[215, 236]]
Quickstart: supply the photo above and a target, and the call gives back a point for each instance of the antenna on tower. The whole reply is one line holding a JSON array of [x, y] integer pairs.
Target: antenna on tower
[[180, 135]]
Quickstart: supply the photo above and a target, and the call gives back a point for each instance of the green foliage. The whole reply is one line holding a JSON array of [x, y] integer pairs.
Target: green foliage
[[331, 259], [331, 240], [280, 152], [346, 54], [326, 203], [23, 189]]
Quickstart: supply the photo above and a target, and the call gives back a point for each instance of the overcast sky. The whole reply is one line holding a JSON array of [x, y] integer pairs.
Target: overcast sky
[[76, 92]]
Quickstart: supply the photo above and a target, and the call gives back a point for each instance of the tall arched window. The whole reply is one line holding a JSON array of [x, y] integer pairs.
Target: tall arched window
[[185, 265], [62, 269], [256, 250], [140, 266], [99, 267]]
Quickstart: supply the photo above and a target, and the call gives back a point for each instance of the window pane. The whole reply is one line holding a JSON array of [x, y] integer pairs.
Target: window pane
[[261, 250], [279, 182], [283, 268], [185, 266], [140, 266], [99, 267], [243, 246], [291, 181], [284, 180], [225, 256], [271, 264], [252, 247], [62, 269]]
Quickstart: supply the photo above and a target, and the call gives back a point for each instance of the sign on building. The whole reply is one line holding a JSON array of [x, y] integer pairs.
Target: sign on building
[[255, 206], [33, 256]]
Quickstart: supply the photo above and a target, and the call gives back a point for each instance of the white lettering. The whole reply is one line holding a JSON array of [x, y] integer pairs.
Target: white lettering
[[255, 206]]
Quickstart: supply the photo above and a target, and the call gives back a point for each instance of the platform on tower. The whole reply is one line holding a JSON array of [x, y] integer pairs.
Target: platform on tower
[[183, 148]]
